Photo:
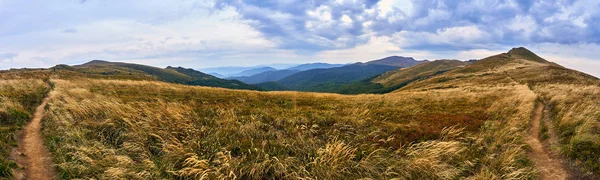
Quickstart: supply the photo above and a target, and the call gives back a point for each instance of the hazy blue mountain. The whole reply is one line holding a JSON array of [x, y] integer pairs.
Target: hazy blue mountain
[[225, 71], [304, 67], [333, 79], [217, 75], [252, 71], [202, 79], [266, 76], [328, 80], [231, 71]]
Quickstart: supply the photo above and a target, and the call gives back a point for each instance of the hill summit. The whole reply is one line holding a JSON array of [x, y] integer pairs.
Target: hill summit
[[524, 53], [96, 62], [396, 61]]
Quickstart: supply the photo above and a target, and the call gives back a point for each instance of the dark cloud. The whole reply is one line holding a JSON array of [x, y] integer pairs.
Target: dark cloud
[[316, 25], [508, 22]]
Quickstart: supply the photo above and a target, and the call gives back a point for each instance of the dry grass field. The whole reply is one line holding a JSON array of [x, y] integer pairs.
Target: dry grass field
[[19, 95], [573, 98], [470, 122], [110, 129], [576, 114]]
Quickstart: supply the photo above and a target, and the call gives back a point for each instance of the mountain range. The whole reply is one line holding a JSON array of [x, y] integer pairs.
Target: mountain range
[[322, 77], [376, 76], [276, 75], [317, 77]]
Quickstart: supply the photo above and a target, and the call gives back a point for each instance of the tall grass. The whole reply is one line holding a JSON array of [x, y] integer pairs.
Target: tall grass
[[18, 99], [576, 115], [574, 100], [111, 129]]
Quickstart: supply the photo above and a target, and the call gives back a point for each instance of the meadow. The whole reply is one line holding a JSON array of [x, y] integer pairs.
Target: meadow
[[576, 116], [19, 95], [572, 98], [470, 122], [122, 129]]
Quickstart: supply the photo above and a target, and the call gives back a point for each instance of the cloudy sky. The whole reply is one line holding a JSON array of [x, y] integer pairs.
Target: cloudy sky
[[207, 33]]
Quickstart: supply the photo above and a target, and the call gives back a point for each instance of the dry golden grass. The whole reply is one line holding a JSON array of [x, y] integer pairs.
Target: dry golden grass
[[18, 98], [466, 123], [576, 115], [572, 96], [111, 129]]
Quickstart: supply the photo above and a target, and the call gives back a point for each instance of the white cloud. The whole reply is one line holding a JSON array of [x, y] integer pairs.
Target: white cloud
[[525, 24], [126, 39], [385, 7], [322, 13], [346, 20], [476, 54], [470, 36], [582, 57], [375, 48]]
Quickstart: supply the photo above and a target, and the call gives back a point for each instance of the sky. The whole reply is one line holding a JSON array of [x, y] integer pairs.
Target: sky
[[211, 33]]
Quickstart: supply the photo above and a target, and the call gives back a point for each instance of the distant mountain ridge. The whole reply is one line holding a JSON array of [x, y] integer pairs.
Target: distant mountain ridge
[[318, 77], [253, 71], [170, 74], [335, 79], [226, 71], [217, 75], [275, 75], [397, 61], [266, 76], [309, 66]]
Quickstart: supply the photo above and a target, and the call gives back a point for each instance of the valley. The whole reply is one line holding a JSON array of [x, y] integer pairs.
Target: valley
[[443, 119]]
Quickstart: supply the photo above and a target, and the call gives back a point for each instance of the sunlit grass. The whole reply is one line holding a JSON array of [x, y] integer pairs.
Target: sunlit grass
[[18, 98], [576, 114], [150, 130]]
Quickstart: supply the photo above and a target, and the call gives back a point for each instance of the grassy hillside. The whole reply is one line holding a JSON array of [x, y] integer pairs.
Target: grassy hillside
[[20, 94], [574, 97], [179, 75], [118, 68], [393, 80], [271, 86], [417, 72]]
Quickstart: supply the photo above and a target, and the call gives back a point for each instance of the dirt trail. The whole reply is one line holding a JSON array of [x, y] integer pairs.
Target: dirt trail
[[31, 154], [549, 166]]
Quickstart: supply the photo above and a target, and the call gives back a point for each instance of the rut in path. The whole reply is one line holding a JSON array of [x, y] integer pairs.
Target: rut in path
[[31, 153], [549, 166]]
